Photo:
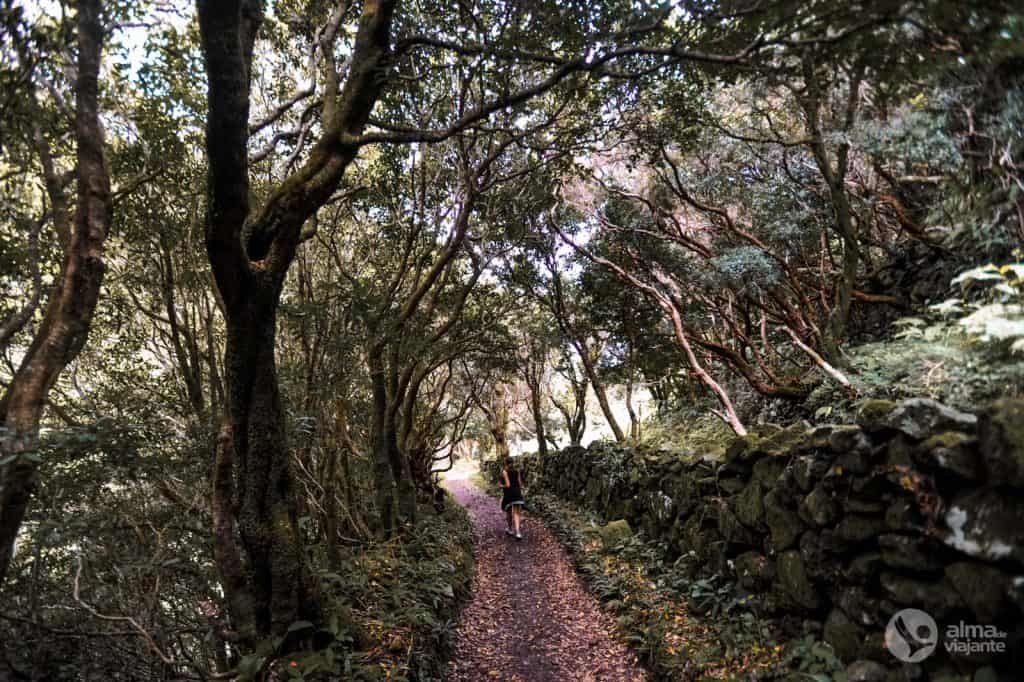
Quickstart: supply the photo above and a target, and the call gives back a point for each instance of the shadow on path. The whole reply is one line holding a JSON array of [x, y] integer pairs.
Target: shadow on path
[[530, 619]]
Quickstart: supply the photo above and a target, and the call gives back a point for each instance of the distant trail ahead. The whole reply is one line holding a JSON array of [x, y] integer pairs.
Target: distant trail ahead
[[530, 619]]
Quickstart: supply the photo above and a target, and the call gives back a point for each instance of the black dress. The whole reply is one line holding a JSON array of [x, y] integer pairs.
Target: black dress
[[514, 492]]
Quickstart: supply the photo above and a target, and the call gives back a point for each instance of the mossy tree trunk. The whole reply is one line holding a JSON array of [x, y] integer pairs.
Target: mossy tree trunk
[[259, 549]]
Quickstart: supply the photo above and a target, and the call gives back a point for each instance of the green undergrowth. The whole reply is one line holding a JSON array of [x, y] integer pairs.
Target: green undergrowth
[[681, 628], [394, 605], [936, 361], [702, 433]]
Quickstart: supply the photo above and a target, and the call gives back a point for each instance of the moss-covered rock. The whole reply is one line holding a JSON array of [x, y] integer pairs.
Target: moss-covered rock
[[784, 524], [767, 470], [843, 634], [754, 571], [861, 606], [909, 552], [734, 532], [740, 446], [936, 597], [750, 505], [873, 415], [950, 451], [848, 438], [863, 567], [899, 451], [808, 469], [1001, 431], [983, 588], [854, 528], [794, 583], [819, 507], [614, 533], [919, 417]]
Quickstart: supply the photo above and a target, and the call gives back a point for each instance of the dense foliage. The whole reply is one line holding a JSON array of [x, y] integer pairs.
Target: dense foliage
[[268, 269]]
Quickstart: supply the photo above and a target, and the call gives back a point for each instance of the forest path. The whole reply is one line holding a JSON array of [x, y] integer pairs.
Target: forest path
[[530, 618]]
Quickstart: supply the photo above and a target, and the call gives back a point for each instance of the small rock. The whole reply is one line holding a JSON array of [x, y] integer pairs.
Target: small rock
[[909, 552], [843, 634], [753, 570], [791, 577], [861, 607], [750, 505], [784, 524], [919, 417], [903, 515], [936, 597], [983, 588], [872, 415], [614, 533], [986, 525], [848, 439], [1001, 432], [866, 671], [858, 528], [767, 470], [950, 451], [819, 507], [808, 469], [863, 567]]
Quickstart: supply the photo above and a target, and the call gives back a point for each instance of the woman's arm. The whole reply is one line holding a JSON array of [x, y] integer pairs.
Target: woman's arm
[[504, 479]]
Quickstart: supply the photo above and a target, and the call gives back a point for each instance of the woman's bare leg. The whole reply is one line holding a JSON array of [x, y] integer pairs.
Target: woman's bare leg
[[508, 516], [516, 515]]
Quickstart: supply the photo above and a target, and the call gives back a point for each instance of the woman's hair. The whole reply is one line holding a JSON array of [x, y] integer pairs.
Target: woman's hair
[[508, 463]]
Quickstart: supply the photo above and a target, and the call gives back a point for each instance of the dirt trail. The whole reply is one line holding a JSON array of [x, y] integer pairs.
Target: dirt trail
[[530, 619]]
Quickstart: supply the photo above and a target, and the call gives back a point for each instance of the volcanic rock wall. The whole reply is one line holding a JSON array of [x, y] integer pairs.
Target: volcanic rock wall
[[841, 526]]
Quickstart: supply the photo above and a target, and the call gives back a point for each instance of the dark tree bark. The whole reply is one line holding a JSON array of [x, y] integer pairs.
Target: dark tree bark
[[537, 409], [260, 550], [65, 326]]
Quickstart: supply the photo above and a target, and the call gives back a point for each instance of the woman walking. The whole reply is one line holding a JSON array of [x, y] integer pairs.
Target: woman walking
[[512, 499]]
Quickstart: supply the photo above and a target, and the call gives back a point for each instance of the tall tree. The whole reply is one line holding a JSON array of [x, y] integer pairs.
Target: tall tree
[[65, 326]]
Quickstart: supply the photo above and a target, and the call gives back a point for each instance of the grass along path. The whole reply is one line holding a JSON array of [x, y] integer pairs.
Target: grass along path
[[530, 619]]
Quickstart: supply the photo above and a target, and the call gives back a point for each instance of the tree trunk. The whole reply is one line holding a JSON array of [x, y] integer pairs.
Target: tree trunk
[[265, 576], [384, 481], [65, 326], [538, 419], [837, 322], [634, 420], [599, 391], [278, 586], [400, 470]]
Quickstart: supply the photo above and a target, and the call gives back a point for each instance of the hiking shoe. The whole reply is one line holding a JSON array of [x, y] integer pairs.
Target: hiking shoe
[[508, 531], [519, 536]]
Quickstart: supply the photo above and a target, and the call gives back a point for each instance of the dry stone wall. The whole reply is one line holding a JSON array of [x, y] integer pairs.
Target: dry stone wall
[[839, 527]]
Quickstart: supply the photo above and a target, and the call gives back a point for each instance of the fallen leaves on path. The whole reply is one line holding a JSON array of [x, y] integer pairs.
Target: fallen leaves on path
[[530, 618]]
